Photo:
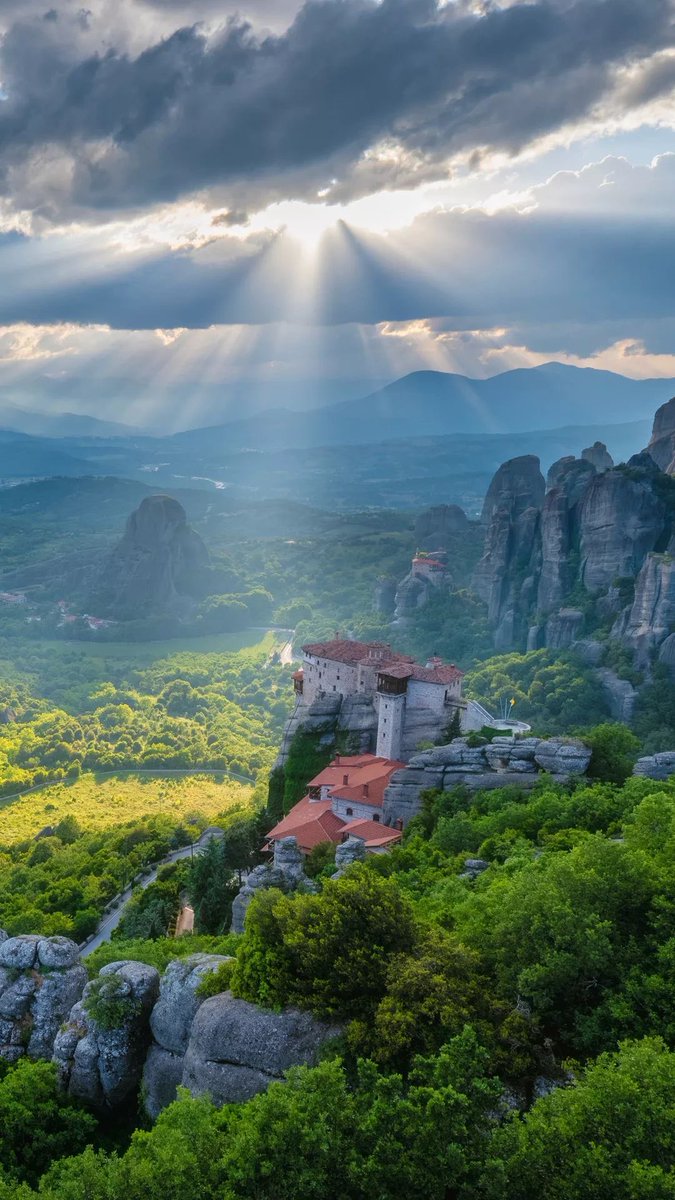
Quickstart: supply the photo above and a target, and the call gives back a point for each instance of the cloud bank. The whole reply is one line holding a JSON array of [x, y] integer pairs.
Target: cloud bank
[[351, 95]]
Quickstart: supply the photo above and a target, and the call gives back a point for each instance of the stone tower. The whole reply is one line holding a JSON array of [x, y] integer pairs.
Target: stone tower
[[392, 687]]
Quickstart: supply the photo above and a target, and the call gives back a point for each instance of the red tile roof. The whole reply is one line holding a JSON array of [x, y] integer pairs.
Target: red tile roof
[[373, 833], [345, 650], [311, 822], [361, 769], [445, 674]]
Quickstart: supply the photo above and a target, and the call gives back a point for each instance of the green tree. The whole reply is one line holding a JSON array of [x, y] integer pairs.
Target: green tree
[[608, 1135], [37, 1122], [614, 751], [211, 888]]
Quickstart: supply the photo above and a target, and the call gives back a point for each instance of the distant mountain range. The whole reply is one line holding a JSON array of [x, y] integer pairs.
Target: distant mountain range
[[429, 403], [60, 424]]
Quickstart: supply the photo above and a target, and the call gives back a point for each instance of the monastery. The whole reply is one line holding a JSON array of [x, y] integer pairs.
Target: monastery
[[411, 702], [345, 800]]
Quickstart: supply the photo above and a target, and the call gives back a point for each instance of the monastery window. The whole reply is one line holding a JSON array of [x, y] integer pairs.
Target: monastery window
[[376, 816], [349, 812], [345, 780]]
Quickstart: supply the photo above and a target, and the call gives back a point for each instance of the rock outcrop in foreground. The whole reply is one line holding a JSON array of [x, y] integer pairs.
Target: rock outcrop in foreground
[[159, 564], [499, 762], [102, 1062], [237, 1049], [127, 1024], [40, 981]]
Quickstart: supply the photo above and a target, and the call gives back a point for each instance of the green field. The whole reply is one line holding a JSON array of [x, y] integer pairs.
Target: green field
[[102, 803], [142, 653]]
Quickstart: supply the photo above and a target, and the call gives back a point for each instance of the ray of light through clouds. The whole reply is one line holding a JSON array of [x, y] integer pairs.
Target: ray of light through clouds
[[193, 196]]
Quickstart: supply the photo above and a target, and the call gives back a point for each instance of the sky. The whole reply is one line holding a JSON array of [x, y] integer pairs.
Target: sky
[[279, 201]]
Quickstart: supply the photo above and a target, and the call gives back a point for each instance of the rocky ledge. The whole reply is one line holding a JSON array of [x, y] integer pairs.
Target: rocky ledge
[[503, 760]]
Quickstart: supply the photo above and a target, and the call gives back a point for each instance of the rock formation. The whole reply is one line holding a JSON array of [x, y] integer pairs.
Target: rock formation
[[40, 981], [287, 873], [237, 1049], [656, 766], [102, 1063], [506, 575], [517, 485], [650, 618], [622, 516], [662, 443], [160, 563], [170, 1023], [435, 527], [499, 762], [596, 525], [599, 457], [352, 850], [384, 598], [412, 593]]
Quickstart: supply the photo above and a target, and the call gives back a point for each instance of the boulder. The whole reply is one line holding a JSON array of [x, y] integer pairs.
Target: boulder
[[563, 756], [40, 981], [103, 1065], [237, 1049], [656, 766], [170, 1024]]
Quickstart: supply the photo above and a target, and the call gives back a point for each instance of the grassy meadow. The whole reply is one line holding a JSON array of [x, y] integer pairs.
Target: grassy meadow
[[102, 803]]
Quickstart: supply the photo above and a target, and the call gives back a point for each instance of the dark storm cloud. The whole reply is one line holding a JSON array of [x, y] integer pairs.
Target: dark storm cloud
[[295, 111]]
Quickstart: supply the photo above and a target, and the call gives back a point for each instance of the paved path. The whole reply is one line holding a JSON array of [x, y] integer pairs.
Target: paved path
[[111, 920]]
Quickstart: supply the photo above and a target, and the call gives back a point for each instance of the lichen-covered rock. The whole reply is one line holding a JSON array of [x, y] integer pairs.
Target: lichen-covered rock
[[20, 953], [40, 981], [237, 1049], [352, 850], [287, 872], [101, 1062], [170, 1023]]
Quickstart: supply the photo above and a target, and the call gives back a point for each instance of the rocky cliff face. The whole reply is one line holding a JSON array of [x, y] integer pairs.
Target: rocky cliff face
[[595, 526], [651, 617], [662, 444], [506, 576], [622, 516], [159, 564], [517, 485]]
